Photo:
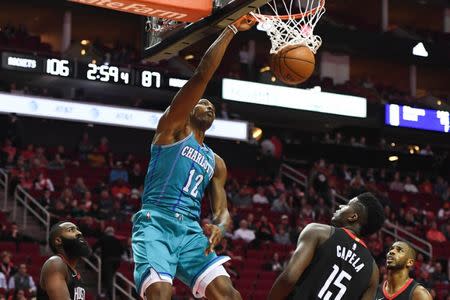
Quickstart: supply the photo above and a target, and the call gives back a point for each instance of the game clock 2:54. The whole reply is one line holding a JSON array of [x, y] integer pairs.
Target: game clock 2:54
[[107, 73]]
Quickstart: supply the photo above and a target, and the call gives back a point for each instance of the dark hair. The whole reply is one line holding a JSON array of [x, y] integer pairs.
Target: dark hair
[[55, 231], [411, 250], [373, 215]]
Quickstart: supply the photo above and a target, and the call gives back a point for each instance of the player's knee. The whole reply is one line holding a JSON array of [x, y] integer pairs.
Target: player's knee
[[159, 290]]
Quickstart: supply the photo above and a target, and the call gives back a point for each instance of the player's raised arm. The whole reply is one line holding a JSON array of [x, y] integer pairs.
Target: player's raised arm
[[218, 198], [176, 115], [308, 241], [53, 279], [371, 291]]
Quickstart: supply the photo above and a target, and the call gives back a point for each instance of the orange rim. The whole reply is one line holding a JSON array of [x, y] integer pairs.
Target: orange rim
[[255, 16]]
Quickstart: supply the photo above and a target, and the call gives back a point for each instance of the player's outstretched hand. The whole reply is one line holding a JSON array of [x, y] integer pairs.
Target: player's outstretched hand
[[244, 23], [214, 237]]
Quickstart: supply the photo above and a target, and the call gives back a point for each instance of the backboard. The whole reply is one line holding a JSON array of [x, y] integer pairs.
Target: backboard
[[164, 38]]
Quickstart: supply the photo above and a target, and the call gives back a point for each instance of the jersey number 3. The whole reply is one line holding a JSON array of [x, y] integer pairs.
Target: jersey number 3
[[198, 181], [325, 294]]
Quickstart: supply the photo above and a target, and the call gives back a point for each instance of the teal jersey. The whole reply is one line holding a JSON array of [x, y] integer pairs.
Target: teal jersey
[[178, 175]]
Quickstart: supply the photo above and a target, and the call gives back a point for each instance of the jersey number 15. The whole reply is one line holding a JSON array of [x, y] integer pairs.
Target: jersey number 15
[[336, 279]]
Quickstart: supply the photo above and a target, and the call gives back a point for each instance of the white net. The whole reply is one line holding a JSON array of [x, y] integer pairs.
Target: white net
[[291, 22], [158, 28]]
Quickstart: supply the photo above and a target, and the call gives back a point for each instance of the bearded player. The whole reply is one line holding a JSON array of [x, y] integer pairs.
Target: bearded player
[[167, 239], [59, 278], [332, 262], [399, 286]]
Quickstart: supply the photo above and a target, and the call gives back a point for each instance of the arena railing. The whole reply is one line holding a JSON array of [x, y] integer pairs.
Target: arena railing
[[4, 185], [96, 266], [125, 287], [294, 174], [394, 230], [32, 207]]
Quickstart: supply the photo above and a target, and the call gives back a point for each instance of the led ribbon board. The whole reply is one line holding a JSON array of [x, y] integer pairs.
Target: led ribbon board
[[102, 114], [294, 98], [419, 118]]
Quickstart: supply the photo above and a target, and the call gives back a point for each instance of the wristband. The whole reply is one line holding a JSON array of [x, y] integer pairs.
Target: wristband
[[233, 28]]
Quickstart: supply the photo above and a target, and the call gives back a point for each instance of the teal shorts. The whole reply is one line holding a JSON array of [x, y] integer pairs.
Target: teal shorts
[[171, 244]]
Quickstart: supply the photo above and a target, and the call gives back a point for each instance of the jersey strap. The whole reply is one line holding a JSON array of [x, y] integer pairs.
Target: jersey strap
[[357, 239]]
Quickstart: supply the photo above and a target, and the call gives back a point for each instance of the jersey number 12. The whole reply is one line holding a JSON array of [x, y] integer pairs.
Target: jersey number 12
[[198, 181], [325, 294]]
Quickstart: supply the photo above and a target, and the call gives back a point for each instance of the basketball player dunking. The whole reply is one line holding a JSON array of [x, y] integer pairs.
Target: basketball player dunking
[[332, 262], [399, 286], [59, 278], [167, 239]]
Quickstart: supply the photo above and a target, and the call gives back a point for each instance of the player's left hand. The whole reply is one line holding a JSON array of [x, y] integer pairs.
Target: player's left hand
[[214, 237]]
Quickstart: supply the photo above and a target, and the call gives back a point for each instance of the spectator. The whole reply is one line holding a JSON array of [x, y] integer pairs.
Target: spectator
[[3, 284], [275, 264], [120, 189], [136, 178], [43, 183], [438, 276], [57, 163], [251, 224], [111, 250], [40, 160], [22, 281], [409, 186], [45, 200], [29, 153], [265, 230], [103, 147], [284, 222], [434, 235], [280, 205], [446, 230], [426, 187], [396, 184], [259, 197], [15, 234], [118, 173], [356, 186], [7, 267], [85, 146], [243, 198], [322, 211], [19, 295], [26, 181], [244, 233], [106, 205], [282, 237], [3, 232], [9, 149], [80, 187], [440, 187]]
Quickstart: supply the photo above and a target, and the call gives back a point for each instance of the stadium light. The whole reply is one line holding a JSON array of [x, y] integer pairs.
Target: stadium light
[[393, 158], [419, 50]]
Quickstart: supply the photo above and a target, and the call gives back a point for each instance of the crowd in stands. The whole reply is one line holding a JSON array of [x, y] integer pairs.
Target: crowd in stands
[[100, 190], [247, 68], [18, 38]]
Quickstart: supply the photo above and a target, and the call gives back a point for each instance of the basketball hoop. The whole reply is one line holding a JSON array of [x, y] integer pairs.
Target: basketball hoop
[[292, 22]]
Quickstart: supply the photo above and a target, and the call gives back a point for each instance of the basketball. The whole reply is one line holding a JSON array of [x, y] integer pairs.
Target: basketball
[[293, 64]]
